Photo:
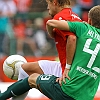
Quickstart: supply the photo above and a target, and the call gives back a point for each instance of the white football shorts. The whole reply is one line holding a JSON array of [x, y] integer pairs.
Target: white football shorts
[[51, 67]]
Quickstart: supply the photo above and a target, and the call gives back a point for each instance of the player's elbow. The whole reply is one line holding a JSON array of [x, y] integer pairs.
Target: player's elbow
[[72, 38]]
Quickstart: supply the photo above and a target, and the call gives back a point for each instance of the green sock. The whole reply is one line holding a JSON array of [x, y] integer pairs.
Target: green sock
[[16, 89]]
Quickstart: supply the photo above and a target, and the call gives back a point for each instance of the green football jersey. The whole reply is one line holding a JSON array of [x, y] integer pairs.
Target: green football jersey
[[85, 69]]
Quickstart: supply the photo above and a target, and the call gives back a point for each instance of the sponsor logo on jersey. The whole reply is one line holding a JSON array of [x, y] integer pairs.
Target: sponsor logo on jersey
[[84, 71]]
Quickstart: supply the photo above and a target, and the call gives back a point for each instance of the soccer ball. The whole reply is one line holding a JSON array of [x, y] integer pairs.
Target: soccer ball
[[12, 64]]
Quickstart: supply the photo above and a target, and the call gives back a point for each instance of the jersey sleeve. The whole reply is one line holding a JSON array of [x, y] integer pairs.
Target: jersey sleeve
[[78, 28]]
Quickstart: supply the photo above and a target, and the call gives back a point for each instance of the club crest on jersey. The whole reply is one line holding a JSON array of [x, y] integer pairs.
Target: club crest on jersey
[[60, 18]]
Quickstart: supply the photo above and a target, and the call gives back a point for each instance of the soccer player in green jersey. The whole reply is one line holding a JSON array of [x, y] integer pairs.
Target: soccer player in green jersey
[[84, 71]]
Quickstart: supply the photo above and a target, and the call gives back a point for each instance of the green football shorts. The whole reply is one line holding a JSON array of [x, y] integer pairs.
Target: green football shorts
[[49, 87]]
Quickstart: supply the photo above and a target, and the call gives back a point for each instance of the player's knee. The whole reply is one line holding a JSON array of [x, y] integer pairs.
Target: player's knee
[[32, 80]]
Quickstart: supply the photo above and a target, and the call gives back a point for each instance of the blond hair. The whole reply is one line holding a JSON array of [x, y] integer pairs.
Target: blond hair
[[62, 2]]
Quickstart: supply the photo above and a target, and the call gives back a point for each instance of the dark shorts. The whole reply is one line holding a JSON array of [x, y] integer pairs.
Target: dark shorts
[[49, 87]]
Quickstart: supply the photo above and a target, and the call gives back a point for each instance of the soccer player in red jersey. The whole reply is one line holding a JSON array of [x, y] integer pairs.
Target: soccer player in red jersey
[[65, 41], [61, 37]]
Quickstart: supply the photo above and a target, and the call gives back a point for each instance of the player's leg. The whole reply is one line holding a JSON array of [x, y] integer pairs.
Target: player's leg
[[45, 83], [41, 67], [20, 87], [22, 75], [32, 67]]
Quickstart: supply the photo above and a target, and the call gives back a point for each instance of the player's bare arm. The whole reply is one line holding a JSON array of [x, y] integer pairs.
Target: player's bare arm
[[70, 51], [50, 30], [60, 24]]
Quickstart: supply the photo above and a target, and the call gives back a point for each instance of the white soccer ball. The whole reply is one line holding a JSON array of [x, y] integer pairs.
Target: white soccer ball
[[12, 64]]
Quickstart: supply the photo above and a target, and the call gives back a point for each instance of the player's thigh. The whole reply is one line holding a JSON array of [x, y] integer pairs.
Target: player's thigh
[[43, 67], [49, 87], [51, 67], [32, 67]]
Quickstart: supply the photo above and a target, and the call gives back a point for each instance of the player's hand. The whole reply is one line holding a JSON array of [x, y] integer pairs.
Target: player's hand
[[65, 75], [59, 80]]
